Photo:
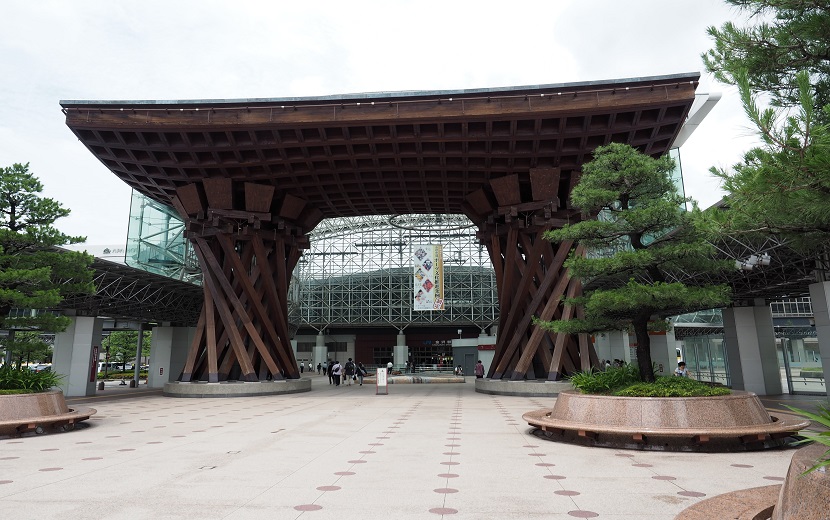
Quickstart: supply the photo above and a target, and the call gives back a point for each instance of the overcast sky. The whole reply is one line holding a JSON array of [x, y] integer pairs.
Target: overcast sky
[[164, 50]]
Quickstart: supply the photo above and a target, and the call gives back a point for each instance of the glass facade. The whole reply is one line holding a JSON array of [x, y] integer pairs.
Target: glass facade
[[799, 360], [156, 242], [705, 358], [358, 272]]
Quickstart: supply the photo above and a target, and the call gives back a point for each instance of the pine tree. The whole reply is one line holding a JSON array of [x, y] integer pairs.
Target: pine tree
[[34, 275], [27, 347], [782, 188], [640, 242], [788, 37]]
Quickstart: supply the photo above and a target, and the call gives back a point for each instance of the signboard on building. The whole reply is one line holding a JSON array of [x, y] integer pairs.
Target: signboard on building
[[428, 275], [93, 364]]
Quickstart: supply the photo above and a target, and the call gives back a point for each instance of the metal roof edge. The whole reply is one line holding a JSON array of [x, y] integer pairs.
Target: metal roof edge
[[392, 95]]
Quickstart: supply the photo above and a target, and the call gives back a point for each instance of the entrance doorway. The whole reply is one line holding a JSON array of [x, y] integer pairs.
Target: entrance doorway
[[800, 361]]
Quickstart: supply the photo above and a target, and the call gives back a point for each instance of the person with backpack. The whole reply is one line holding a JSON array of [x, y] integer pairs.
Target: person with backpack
[[350, 376], [361, 372], [335, 371]]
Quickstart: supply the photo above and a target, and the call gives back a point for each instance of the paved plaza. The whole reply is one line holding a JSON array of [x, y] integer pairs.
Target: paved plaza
[[423, 451]]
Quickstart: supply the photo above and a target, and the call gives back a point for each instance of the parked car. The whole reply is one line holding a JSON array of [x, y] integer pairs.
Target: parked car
[[40, 368]]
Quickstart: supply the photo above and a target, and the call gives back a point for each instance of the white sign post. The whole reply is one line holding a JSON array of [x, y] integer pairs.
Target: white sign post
[[381, 382]]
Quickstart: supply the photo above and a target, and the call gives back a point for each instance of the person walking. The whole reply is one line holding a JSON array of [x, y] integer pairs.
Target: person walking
[[331, 376], [336, 370], [361, 372], [479, 370], [302, 365], [349, 372], [319, 367]]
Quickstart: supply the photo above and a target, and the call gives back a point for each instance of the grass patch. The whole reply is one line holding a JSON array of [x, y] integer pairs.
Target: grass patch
[[625, 381], [13, 392]]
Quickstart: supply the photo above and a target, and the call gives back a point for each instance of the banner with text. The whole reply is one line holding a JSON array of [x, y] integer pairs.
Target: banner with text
[[428, 274]]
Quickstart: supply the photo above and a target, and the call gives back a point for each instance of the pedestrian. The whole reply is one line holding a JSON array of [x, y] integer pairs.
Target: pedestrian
[[319, 366], [361, 372], [309, 367], [389, 366], [479, 370], [331, 374], [301, 366], [681, 371], [336, 370], [350, 372]]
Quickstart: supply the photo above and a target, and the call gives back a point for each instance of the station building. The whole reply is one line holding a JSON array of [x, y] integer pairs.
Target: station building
[[351, 289]]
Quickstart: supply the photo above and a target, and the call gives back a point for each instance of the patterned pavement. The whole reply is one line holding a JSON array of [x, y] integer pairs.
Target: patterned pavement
[[423, 451]]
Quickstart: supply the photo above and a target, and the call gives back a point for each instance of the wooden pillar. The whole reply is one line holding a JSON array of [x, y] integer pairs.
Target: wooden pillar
[[247, 242], [512, 215]]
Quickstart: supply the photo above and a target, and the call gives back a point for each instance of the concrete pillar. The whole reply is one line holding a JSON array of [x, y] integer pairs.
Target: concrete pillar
[[168, 354], [663, 352], [321, 352], [351, 352], [749, 338], [612, 345], [400, 352], [76, 355], [820, 296]]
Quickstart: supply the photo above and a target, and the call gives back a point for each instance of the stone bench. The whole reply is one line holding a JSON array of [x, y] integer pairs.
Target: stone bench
[[738, 417], [37, 412]]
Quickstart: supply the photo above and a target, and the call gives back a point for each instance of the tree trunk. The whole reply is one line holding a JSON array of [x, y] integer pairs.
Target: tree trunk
[[643, 349]]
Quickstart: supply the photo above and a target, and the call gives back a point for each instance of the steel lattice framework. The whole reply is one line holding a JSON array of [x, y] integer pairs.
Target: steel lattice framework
[[357, 272], [128, 293]]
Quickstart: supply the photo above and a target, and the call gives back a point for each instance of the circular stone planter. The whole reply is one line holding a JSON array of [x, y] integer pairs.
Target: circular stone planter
[[735, 421], [39, 412], [804, 497], [236, 388]]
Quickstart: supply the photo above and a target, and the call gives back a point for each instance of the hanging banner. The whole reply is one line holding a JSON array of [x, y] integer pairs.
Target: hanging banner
[[428, 274]]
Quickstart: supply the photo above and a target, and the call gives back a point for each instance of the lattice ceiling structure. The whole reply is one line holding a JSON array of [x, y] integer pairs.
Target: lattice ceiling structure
[[252, 178], [131, 294]]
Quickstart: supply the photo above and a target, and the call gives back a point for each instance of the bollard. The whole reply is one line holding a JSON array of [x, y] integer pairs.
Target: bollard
[[101, 385]]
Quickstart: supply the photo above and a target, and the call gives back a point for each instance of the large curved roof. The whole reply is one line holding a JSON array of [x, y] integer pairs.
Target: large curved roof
[[385, 153]]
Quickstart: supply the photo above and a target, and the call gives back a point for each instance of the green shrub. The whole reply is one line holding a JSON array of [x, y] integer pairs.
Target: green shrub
[[596, 382], [672, 386], [822, 437], [129, 374], [27, 380]]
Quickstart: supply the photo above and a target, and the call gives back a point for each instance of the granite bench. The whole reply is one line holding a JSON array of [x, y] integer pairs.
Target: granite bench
[[37, 412], [739, 416]]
